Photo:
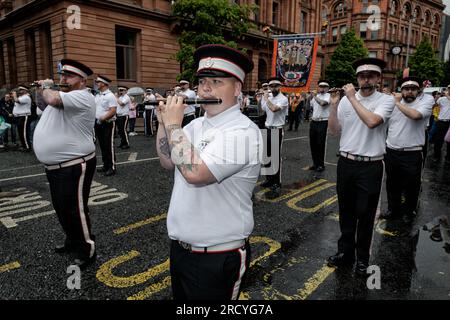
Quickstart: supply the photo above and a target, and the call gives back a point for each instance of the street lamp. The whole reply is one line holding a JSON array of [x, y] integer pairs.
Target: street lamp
[[412, 19]]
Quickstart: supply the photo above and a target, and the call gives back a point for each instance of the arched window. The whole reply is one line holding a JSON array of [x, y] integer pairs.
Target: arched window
[[436, 21], [340, 10], [406, 11], [427, 18], [394, 8], [417, 14]]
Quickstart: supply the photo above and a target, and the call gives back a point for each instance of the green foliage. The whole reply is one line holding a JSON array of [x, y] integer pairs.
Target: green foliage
[[424, 63], [208, 22], [340, 71]]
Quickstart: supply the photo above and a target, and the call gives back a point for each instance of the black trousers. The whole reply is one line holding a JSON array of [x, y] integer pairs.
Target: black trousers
[[149, 130], [294, 118], [105, 136], [122, 124], [274, 150], [23, 124], [403, 177], [358, 190], [317, 141], [208, 276], [69, 188], [441, 130], [187, 120]]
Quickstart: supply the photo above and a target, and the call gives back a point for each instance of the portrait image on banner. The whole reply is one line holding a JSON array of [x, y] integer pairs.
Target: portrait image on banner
[[294, 60]]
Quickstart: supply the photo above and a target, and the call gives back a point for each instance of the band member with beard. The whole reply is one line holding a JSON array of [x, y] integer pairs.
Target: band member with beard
[[404, 152], [319, 126], [360, 118], [63, 141], [216, 163], [442, 126], [276, 108]]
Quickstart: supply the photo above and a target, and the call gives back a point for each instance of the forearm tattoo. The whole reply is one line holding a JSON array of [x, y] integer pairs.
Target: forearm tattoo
[[164, 147], [183, 153]]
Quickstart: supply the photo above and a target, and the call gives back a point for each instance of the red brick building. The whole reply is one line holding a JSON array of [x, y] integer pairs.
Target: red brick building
[[132, 42], [395, 19]]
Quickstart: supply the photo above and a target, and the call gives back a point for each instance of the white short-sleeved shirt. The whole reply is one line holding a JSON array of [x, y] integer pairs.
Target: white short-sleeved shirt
[[64, 134], [149, 97], [123, 111], [229, 144], [276, 119], [23, 107], [104, 102], [404, 132], [190, 94], [356, 137], [320, 112], [444, 113]]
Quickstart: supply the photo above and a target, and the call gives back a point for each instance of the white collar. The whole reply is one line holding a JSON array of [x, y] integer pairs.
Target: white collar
[[223, 117]]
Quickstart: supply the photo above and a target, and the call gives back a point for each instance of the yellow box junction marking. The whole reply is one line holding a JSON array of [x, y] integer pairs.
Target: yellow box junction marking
[[260, 195], [9, 266], [106, 276], [309, 287], [140, 224], [293, 202]]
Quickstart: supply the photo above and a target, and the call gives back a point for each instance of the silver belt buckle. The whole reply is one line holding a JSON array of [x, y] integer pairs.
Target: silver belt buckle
[[359, 158], [185, 246]]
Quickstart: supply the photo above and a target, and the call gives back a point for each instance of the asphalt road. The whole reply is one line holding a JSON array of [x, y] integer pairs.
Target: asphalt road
[[293, 235]]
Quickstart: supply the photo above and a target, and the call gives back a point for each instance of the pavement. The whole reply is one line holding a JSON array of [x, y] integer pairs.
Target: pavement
[[293, 235]]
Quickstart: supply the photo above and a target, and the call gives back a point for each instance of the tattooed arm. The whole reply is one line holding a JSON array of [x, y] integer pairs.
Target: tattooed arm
[[175, 149]]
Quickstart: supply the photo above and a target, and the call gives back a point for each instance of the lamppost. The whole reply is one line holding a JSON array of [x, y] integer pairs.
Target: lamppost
[[412, 19], [267, 31]]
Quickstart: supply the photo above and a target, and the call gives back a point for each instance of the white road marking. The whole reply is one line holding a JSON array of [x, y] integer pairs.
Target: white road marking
[[132, 157], [291, 139], [43, 174]]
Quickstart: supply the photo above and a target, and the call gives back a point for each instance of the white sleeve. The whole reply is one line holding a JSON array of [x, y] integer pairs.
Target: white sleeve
[[25, 99], [75, 101], [385, 107], [112, 102], [230, 152], [426, 107]]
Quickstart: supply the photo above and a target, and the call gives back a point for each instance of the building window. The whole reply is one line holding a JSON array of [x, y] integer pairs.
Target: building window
[[334, 34], [340, 10], [30, 47], [12, 65], [365, 4], [2, 66], [373, 34], [126, 54], [258, 11], [275, 13], [343, 30], [303, 16], [363, 30], [372, 54], [394, 8], [45, 38]]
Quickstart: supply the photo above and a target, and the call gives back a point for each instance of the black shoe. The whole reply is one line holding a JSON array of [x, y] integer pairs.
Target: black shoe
[[320, 169], [125, 147], [312, 168], [361, 268], [63, 249], [101, 170], [109, 172], [339, 260], [266, 184], [275, 189], [83, 263]]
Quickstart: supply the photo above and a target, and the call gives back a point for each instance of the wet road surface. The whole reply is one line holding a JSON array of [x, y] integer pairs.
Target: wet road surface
[[293, 235]]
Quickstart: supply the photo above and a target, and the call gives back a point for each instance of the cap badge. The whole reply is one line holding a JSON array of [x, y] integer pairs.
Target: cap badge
[[209, 62]]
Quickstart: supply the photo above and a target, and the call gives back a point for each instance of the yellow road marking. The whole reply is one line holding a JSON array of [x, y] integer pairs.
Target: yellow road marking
[[147, 292], [140, 224], [293, 202], [105, 275], [260, 194], [10, 266], [309, 287]]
